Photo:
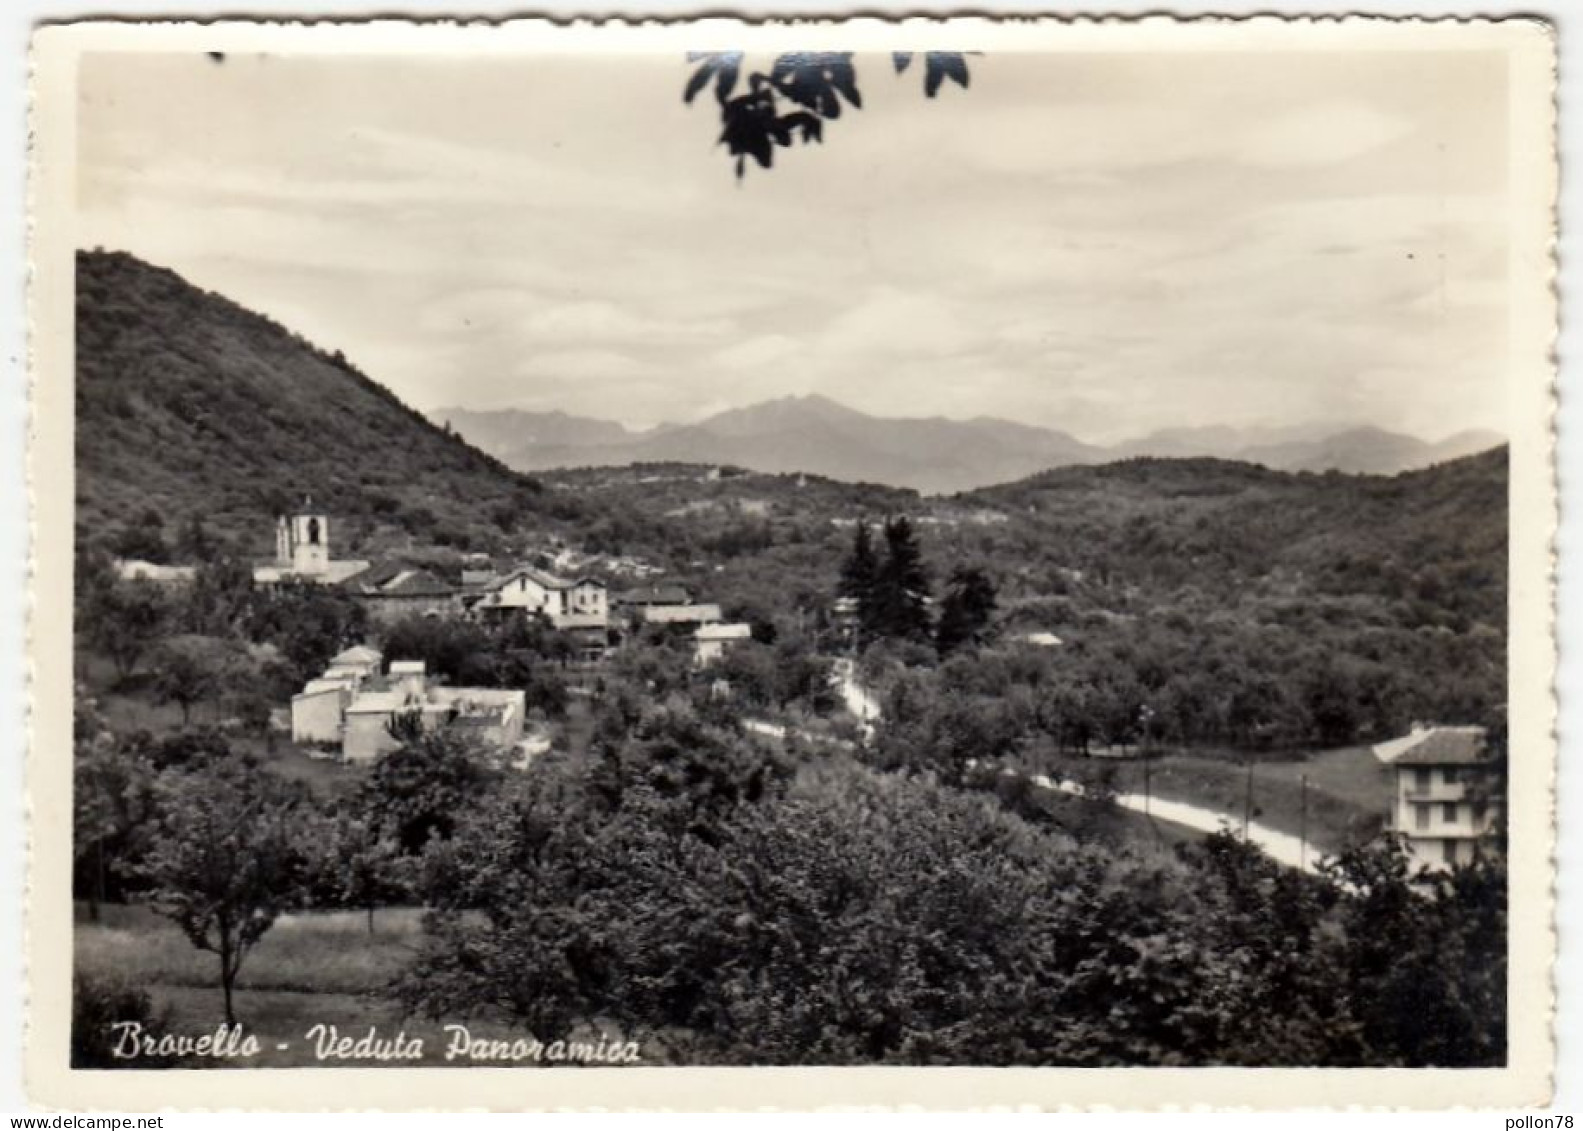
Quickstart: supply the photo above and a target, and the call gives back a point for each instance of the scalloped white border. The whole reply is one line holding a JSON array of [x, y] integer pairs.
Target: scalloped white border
[[1525, 1081]]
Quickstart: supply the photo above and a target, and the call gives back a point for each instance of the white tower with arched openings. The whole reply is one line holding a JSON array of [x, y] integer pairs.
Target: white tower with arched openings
[[302, 541]]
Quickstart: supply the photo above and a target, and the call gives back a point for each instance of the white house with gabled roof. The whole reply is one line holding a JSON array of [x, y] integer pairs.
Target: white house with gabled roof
[[1448, 794], [581, 602]]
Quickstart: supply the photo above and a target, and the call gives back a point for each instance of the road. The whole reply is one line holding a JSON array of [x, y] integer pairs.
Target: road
[[856, 697], [1280, 847]]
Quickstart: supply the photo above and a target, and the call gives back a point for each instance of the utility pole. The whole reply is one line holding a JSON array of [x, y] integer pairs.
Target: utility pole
[[1146, 768], [1247, 801], [1302, 836]]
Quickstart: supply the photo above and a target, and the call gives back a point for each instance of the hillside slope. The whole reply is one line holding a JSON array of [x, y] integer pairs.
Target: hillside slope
[[188, 404], [1435, 538]]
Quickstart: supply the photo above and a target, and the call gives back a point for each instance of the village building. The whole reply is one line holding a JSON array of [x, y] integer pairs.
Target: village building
[[319, 709], [846, 619], [579, 607], [576, 603], [649, 596], [1447, 792], [680, 614], [354, 711], [134, 569], [710, 641], [302, 552], [394, 592], [359, 658]]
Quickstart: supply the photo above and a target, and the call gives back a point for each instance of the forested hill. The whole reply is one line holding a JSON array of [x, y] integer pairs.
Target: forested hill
[[1437, 537], [188, 404]]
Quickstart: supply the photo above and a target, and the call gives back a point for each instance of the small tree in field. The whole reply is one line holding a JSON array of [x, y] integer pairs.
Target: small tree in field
[[112, 802], [226, 859], [120, 618], [362, 865], [189, 670]]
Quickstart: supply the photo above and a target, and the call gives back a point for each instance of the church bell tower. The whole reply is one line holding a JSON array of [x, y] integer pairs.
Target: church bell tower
[[302, 541]]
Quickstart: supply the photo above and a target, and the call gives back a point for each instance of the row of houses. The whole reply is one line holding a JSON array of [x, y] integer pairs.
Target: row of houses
[[582, 607], [353, 706]]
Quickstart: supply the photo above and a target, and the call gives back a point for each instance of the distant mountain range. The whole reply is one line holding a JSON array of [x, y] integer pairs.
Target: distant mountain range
[[934, 455]]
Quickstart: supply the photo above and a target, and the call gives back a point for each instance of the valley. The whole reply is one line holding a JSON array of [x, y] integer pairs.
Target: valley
[[704, 749]]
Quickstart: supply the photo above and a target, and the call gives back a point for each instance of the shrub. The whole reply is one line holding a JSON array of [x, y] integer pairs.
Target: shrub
[[98, 1003]]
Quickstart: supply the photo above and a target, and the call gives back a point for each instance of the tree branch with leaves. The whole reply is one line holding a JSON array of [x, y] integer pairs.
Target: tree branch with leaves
[[796, 96]]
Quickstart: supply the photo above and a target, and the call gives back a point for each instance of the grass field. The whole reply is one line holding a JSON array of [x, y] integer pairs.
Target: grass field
[[129, 707], [1348, 791], [312, 969], [325, 952]]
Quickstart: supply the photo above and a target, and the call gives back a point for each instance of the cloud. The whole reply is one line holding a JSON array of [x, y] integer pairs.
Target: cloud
[[1107, 243], [590, 364], [762, 350]]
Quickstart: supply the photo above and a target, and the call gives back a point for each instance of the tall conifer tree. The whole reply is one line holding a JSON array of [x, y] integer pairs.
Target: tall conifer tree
[[859, 575], [902, 585]]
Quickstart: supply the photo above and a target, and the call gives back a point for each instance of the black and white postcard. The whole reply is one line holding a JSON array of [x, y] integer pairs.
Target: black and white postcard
[[964, 562]]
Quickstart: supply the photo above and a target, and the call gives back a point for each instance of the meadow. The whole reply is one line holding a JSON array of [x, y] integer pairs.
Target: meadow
[[1346, 801], [312, 968]]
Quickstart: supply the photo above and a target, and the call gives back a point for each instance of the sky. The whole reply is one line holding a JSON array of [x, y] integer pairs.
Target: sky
[[1103, 243]]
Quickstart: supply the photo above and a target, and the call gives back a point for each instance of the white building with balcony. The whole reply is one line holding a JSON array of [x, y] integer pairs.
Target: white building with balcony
[[576, 603], [579, 607], [1448, 792]]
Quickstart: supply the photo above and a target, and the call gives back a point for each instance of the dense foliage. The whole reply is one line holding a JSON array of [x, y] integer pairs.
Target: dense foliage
[[1231, 605], [720, 860], [225, 858], [841, 916], [193, 406]]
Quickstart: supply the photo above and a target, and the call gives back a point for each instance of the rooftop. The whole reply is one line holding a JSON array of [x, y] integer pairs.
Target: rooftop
[[416, 583], [132, 569], [1435, 746], [681, 614], [545, 580], [377, 703], [322, 687], [654, 595], [357, 654], [724, 632]]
